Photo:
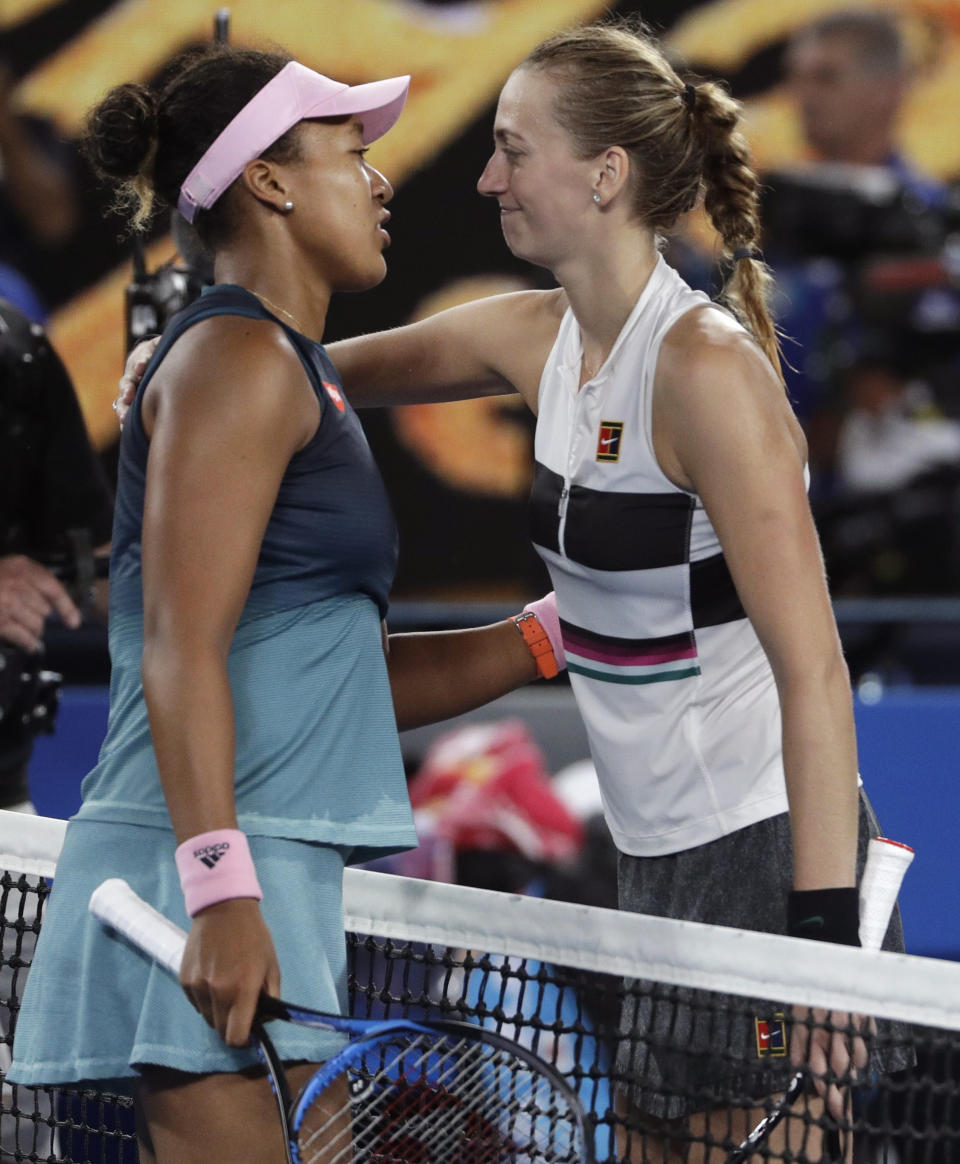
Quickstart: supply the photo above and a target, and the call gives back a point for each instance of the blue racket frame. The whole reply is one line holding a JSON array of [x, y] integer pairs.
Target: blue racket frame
[[366, 1031]]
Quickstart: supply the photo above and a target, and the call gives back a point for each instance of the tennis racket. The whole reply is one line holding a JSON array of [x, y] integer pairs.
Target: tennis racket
[[400, 1092], [887, 862]]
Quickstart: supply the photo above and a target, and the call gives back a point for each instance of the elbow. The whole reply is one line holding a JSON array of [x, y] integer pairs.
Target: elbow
[[171, 663], [824, 671], [158, 666]]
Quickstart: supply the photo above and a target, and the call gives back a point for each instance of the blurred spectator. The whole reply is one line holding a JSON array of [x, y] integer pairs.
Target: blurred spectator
[[39, 209], [859, 238], [55, 509], [856, 201], [892, 522], [486, 812], [848, 74], [891, 434]]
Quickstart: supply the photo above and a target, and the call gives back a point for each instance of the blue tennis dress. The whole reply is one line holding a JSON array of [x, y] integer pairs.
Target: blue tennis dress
[[319, 775]]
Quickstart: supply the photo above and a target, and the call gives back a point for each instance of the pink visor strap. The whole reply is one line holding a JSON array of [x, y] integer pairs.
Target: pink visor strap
[[295, 93]]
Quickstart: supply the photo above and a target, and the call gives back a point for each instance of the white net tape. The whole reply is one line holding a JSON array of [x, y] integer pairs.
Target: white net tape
[[740, 962]]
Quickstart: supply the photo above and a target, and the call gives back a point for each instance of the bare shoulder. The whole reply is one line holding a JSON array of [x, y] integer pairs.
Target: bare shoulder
[[229, 359], [715, 388], [707, 359], [706, 340]]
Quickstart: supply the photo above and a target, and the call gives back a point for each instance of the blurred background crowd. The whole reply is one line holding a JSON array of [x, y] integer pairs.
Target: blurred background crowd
[[852, 113]]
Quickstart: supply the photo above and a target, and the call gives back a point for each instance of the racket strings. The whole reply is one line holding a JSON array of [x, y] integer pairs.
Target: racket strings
[[421, 1128], [362, 1124], [442, 1100], [350, 1124], [505, 1092], [469, 1090], [416, 1127], [512, 1122]]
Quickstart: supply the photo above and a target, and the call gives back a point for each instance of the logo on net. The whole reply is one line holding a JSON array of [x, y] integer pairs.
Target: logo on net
[[211, 854]]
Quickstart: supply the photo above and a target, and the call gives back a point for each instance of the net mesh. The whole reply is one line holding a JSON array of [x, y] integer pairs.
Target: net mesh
[[675, 1036]]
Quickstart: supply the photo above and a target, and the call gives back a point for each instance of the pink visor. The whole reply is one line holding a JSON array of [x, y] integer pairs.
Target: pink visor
[[294, 94]]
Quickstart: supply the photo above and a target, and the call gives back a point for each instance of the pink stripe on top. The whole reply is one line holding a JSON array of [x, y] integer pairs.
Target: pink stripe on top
[[625, 657]]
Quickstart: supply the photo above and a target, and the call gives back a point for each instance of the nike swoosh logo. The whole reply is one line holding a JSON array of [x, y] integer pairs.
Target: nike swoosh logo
[[815, 919], [608, 441], [764, 1037]]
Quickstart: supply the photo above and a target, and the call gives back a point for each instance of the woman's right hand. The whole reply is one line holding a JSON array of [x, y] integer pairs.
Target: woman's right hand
[[229, 961], [133, 371]]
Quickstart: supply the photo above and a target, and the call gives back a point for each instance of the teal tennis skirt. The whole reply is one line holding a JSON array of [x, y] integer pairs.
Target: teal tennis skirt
[[95, 1008]]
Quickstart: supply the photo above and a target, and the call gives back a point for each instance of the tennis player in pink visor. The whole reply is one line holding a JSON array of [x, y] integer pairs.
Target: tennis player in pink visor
[[252, 744]]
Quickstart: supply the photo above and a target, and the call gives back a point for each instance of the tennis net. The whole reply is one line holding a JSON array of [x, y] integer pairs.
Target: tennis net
[[675, 1035]]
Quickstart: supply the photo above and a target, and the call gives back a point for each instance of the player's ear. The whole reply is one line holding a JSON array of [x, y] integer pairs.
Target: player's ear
[[613, 173], [265, 181]]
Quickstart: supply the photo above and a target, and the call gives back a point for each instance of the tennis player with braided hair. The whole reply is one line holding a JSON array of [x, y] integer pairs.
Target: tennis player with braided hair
[[670, 506], [252, 743]]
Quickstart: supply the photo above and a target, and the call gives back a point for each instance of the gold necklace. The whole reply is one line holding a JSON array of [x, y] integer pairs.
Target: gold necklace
[[275, 307]]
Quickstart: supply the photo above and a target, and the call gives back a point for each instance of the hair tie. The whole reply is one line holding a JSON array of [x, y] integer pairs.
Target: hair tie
[[689, 96], [747, 253]]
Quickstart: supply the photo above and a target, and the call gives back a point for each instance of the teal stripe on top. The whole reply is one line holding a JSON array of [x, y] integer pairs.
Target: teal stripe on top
[[620, 676]]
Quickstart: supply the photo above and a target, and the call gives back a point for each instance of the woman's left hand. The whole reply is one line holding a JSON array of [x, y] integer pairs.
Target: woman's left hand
[[133, 370]]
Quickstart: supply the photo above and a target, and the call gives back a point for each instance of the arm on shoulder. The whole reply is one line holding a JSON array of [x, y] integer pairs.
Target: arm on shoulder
[[489, 347]]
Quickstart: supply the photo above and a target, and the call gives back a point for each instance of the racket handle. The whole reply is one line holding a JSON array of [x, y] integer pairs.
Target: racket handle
[[117, 905], [887, 861]]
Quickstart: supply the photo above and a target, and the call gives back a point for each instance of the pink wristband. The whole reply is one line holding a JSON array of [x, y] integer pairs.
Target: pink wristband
[[216, 866], [545, 610]]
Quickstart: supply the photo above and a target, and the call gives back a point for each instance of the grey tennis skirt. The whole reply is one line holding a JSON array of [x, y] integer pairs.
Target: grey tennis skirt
[[684, 1050], [97, 1009]]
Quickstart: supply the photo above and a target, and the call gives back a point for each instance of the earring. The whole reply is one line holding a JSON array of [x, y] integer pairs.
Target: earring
[[288, 206], [596, 199]]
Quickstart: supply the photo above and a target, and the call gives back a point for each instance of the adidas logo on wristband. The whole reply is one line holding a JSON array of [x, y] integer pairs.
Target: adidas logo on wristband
[[211, 854]]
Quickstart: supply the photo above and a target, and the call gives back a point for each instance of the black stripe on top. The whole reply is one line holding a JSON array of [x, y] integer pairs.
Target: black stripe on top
[[615, 645], [611, 531], [544, 511], [713, 595]]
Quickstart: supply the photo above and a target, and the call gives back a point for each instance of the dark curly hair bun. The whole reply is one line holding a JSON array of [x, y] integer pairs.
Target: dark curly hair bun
[[145, 141], [122, 132]]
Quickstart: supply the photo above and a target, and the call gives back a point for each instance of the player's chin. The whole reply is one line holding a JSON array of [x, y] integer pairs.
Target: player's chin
[[521, 245], [528, 253], [372, 275]]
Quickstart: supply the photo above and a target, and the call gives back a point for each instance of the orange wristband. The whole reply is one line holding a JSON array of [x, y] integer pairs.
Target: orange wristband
[[538, 643]]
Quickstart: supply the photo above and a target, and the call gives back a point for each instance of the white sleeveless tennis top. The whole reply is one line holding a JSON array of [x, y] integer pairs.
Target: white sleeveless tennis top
[[675, 690]]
